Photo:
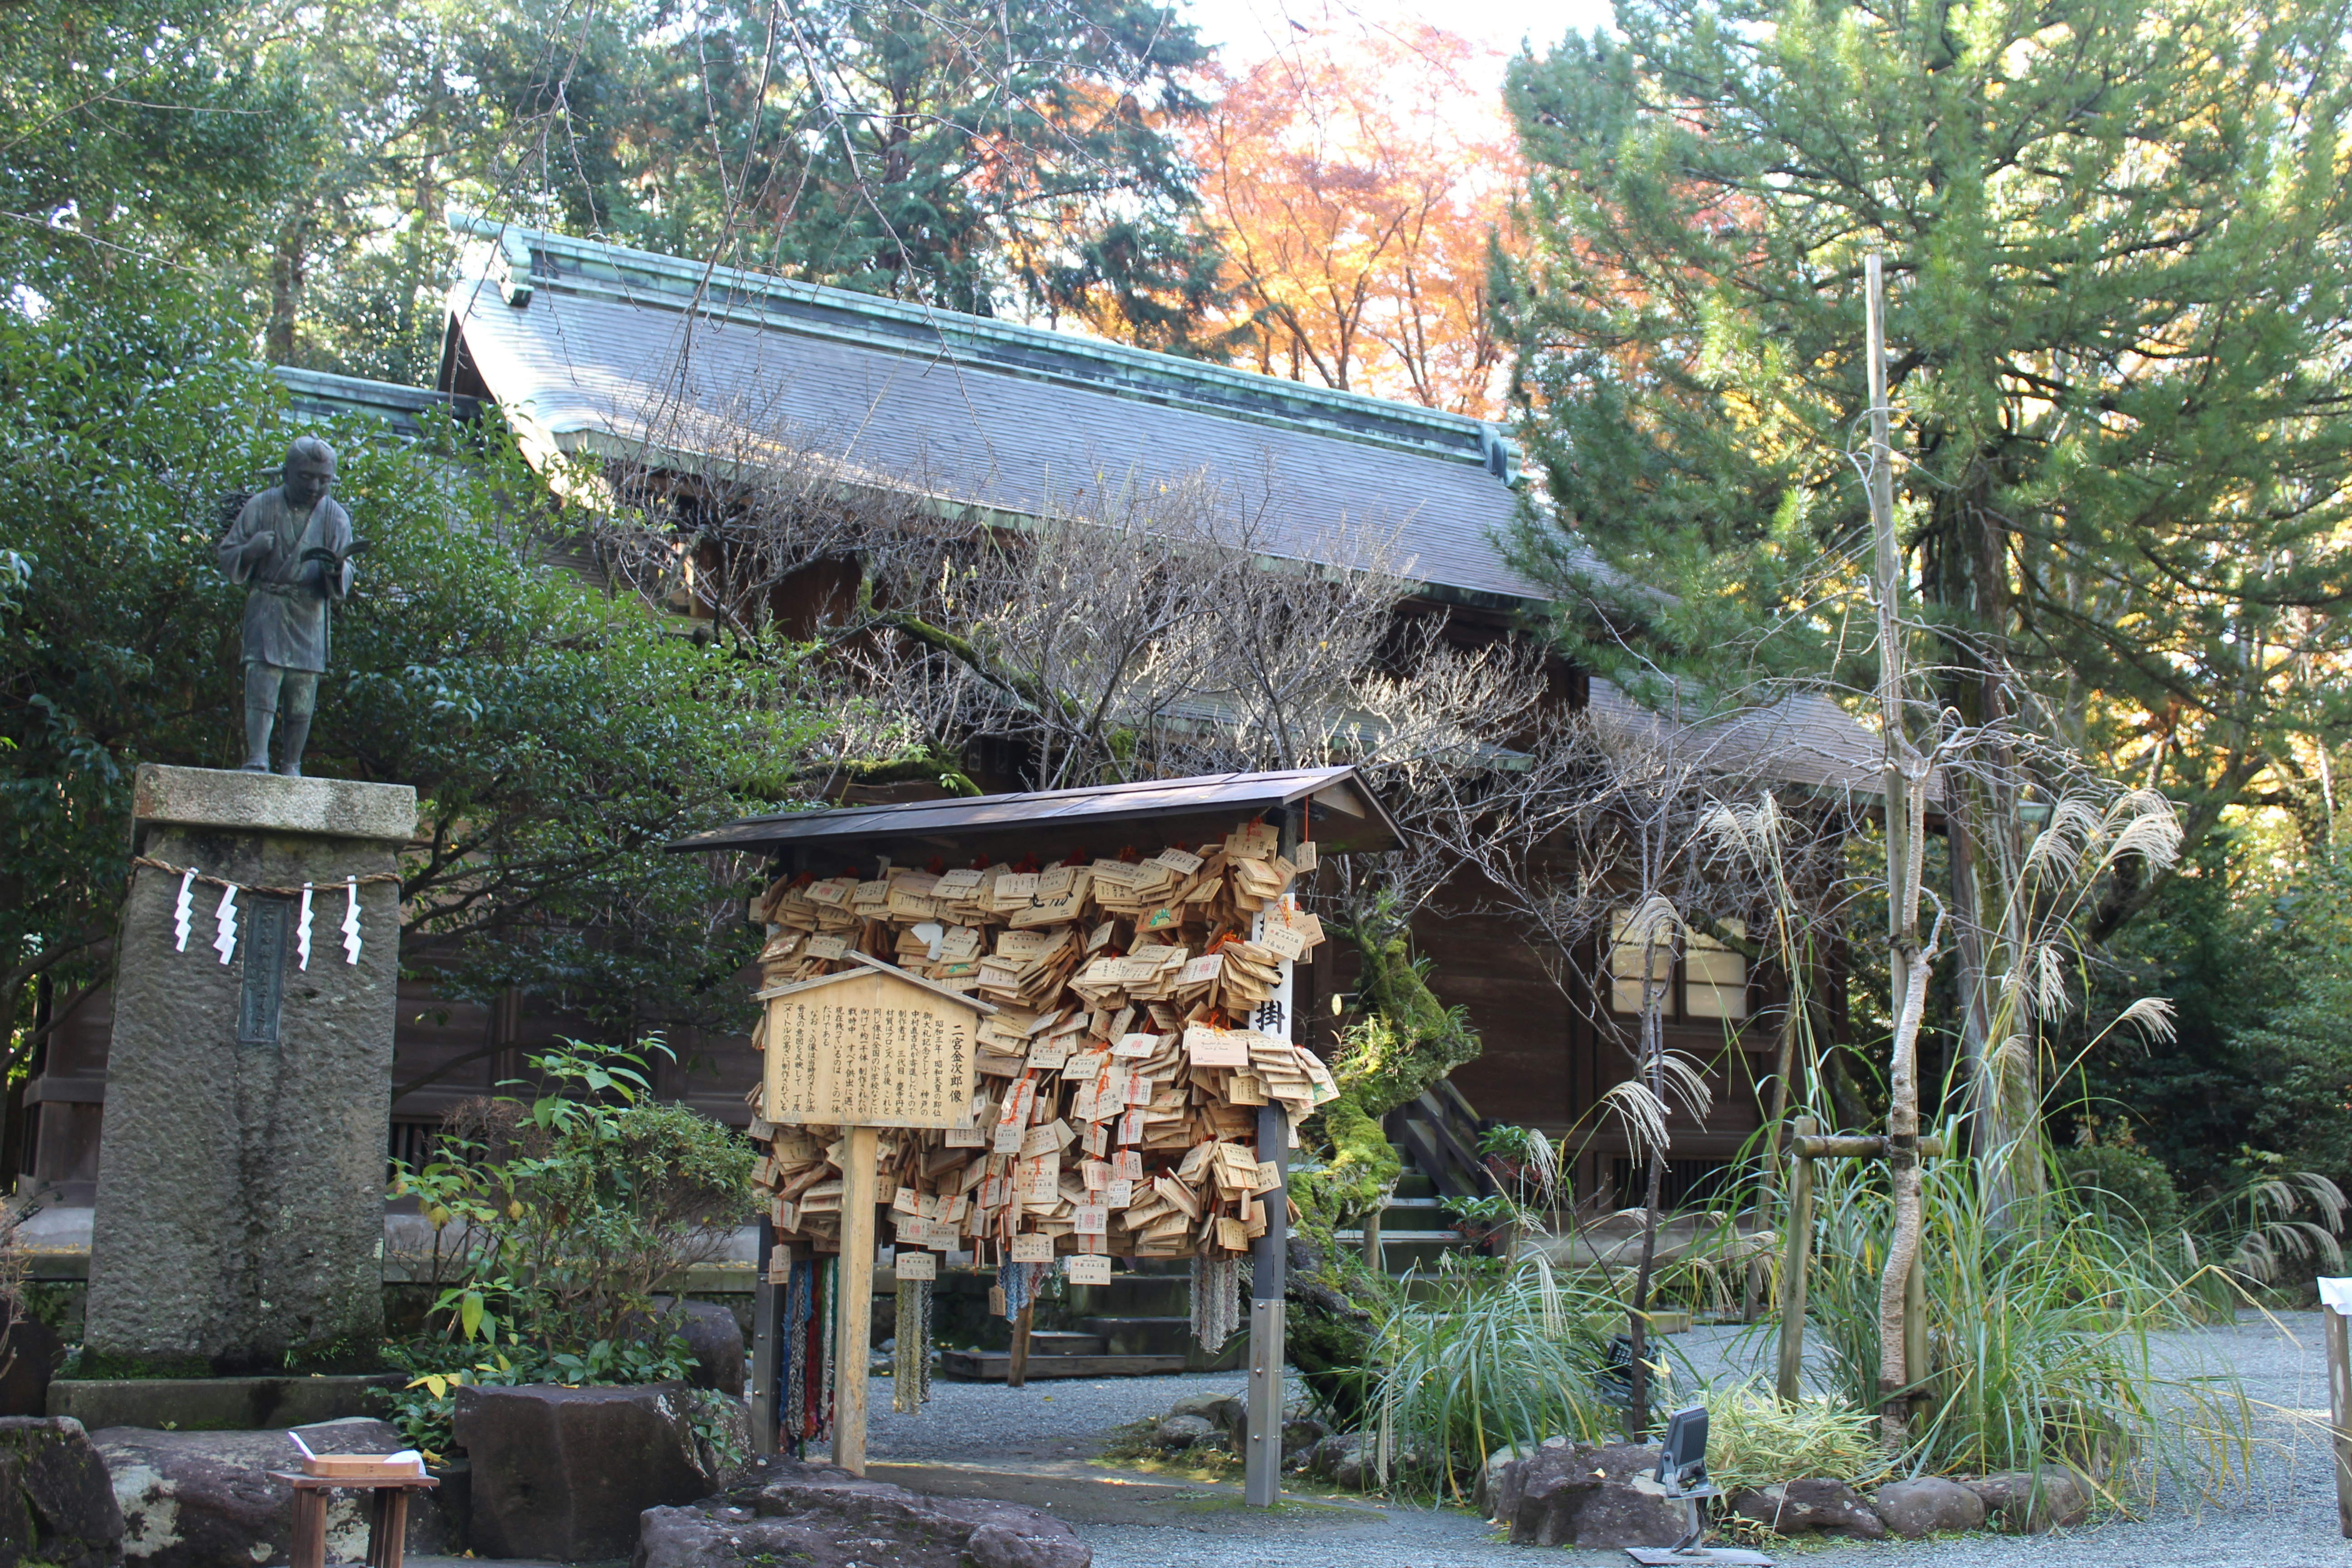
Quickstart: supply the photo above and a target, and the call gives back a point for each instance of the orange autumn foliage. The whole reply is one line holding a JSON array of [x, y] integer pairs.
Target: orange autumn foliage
[[1354, 183]]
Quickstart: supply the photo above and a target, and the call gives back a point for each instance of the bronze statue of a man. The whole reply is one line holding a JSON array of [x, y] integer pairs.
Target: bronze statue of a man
[[293, 547]]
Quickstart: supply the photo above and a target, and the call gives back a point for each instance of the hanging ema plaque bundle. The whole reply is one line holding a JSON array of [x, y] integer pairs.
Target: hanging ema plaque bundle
[[1061, 1061]]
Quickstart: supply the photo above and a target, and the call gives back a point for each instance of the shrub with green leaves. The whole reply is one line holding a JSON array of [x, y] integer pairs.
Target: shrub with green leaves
[[555, 1223], [2124, 1185]]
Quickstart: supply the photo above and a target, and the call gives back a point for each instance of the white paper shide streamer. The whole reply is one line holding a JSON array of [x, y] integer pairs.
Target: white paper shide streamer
[[180, 912], [351, 919], [302, 931], [224, 920]]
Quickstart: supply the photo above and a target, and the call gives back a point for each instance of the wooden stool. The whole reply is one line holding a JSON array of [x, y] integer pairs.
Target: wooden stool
[[387, 1517]]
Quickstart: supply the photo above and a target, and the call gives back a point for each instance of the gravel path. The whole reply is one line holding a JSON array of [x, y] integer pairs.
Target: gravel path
[[2285, 1519], [1050, 1416]]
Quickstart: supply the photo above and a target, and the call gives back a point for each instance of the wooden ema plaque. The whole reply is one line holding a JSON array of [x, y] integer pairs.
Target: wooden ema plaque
[[874, 1047]]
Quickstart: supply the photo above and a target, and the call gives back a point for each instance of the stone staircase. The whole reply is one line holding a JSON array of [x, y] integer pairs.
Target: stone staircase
[[1411, 1231]]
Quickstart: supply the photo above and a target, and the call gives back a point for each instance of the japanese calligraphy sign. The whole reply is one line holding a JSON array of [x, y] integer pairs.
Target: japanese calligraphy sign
[[870, 1048]]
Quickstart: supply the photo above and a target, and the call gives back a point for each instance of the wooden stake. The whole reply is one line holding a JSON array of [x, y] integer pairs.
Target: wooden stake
[[1016, 1367], [854, 1327], [1906, 964], [1796, 1258], [2338, 1334]]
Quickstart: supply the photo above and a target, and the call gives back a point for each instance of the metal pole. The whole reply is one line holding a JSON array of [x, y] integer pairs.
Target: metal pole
[[1795, 1257], [1262, 1466]]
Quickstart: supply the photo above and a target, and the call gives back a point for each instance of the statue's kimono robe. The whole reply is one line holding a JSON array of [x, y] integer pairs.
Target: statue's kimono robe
[[285, 611]]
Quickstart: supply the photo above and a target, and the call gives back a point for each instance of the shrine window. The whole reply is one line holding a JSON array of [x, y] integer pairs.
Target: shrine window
[[1709, 982]]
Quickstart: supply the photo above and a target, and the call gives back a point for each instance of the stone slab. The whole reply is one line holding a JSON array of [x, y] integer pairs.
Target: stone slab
[[239, 1211], [270, 803], [218, 1403]]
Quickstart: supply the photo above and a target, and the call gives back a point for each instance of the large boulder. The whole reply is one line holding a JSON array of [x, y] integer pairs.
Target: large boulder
[[712, 1337], [212, 1500], [564, 1472], [1485, 1492], [817, 1516], [1221, 1411], [2030, 1503], [1178, 1432], [1927, 1506], [1815, 1504], [56, 1504], [1580, 1495]]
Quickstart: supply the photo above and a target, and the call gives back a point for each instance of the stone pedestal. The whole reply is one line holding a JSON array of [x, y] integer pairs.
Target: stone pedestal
[[240, 1186]]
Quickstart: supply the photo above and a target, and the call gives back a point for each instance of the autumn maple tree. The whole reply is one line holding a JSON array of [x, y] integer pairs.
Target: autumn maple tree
[[1356, 182]]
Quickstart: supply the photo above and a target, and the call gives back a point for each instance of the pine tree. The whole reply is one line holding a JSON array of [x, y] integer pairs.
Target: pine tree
[[2119, 253]]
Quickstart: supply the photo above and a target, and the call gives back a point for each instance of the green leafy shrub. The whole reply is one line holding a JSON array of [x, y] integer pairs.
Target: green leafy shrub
[[2124, 1185], [554, 1225]]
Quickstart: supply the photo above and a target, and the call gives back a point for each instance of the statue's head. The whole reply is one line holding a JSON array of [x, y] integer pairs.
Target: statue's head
[[309, 472]]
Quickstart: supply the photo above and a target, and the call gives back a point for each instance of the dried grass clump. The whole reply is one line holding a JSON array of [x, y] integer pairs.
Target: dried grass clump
[[1754, 1440]]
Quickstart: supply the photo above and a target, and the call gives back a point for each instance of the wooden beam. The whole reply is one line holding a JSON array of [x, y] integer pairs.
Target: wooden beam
[[1796, 1256], [854, 1325]]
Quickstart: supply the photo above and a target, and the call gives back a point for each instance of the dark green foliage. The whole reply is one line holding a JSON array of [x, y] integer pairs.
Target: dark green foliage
[[994, 159], [2127, 1188], [2119, 251], [557, 740], [1406, 1039], [138, 126], [556, 1221]]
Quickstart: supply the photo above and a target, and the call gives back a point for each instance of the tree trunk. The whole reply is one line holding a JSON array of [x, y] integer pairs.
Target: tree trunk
[[1637, 1404], [1906, 962], [289, 272], [1654, 1046]]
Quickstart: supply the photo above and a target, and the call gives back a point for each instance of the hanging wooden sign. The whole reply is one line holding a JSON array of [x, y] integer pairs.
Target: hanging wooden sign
[[871, 1046]]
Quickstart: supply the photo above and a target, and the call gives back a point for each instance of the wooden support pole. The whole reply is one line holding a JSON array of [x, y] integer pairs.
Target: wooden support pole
[[2338, 1335], [1016, 1365], [767, 1310], [854, 1327], [1795, 1259], [1262, 1466]]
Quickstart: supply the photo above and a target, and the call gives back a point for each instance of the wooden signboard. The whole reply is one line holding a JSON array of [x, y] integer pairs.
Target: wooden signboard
[[868, 1048], [873, 1046]]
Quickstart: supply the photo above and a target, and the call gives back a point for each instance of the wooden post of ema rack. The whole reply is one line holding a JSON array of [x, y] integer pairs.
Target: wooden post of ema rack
[[766, 1347], [1262, 1465], [853, 1330], [2338, 1333]]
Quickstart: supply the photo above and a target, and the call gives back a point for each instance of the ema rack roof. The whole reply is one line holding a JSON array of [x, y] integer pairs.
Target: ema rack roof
[[1342, 816]]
